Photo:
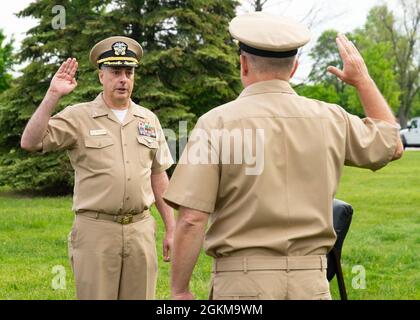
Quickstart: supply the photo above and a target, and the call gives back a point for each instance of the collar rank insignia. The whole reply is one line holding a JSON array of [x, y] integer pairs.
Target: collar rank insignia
[[145, 129], [119, 48]]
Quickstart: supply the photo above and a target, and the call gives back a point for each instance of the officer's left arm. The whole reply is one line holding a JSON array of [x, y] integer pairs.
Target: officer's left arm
[[160, 183], [189, 236]]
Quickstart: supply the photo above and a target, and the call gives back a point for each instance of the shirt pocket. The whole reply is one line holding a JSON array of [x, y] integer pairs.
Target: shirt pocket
[[100, 153], [147, 150]]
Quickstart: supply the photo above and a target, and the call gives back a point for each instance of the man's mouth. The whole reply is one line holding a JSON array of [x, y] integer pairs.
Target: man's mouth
[[121, 90]]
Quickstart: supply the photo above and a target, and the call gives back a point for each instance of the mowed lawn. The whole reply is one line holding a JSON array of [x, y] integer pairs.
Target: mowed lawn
[[384, 239]]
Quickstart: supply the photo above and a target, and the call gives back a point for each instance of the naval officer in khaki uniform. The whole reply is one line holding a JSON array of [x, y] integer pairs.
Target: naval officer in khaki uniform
[[270, 229], [119, 154]]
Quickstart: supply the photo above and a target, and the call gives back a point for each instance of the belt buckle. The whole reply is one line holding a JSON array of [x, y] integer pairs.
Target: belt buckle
[[127, 219]]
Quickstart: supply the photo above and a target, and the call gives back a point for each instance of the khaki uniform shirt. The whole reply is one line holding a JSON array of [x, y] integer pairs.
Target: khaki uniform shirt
[[113, 162], [285, 206]]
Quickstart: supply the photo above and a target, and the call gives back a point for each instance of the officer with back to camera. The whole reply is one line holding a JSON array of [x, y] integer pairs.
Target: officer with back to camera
[[269, 231]]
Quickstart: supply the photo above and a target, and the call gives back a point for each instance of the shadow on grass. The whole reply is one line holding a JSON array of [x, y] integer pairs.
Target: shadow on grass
[[6, 191]]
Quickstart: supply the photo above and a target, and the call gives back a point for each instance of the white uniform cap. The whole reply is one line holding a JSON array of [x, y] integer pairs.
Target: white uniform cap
[[268, 35]]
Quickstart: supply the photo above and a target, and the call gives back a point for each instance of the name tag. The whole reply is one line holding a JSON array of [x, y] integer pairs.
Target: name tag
[[100, 132]]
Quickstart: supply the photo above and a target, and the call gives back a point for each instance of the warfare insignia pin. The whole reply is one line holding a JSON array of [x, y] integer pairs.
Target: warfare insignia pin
[[119, 48]]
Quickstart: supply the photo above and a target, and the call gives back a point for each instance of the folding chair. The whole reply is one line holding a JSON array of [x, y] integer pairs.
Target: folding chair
[[342, 215]]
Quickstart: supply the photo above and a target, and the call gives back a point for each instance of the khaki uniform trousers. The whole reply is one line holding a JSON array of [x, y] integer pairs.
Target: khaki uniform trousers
[[113, 261], [270, 278]]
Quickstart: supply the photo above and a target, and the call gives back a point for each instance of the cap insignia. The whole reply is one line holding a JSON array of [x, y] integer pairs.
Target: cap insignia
[[119, 48]]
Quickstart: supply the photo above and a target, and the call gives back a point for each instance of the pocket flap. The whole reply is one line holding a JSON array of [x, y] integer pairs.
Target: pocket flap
[[98, 143], [239, 296], [148, 142]]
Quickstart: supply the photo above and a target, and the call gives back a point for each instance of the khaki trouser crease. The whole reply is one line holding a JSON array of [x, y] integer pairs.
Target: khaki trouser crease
[[113, 261]]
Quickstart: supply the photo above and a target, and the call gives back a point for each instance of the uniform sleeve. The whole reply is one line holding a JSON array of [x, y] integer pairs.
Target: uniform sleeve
[[195, 181], [61, 132], [370, 143], [163, 158]]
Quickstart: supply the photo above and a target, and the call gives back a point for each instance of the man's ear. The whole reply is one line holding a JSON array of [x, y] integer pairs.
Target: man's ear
[[244, 65], [295, 66], [101, 75]]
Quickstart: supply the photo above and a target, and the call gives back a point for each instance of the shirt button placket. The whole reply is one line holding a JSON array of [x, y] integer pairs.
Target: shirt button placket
[[126, 164]]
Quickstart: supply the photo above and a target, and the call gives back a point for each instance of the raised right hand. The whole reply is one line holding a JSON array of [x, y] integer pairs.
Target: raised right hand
[[63, 81], [354, 70]]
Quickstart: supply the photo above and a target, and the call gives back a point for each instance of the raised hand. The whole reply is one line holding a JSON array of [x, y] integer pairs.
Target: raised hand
[[63, 81], [354, 70]]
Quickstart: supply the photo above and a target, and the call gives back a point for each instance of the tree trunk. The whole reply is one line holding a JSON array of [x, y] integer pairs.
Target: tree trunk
[[402, 117], [259, 5]]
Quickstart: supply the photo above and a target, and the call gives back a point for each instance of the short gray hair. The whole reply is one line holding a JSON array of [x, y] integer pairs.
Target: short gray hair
[[273, 66], [103, 67]]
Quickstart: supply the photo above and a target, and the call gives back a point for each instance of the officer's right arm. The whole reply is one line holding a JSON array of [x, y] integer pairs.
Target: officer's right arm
[[355, 73], [40, 126], [370, 143]]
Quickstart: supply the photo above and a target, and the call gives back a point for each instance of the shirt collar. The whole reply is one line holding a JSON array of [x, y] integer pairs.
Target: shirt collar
[[100, 109], [270, 86]]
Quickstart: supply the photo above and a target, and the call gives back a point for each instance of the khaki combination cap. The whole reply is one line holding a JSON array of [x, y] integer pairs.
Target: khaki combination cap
[[116, 52], [267, 35]]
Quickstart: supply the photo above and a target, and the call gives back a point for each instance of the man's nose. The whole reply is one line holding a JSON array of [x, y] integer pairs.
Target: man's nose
[[123, 77]]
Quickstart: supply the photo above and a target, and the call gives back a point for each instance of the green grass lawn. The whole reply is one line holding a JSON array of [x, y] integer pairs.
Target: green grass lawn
[[384, 238]]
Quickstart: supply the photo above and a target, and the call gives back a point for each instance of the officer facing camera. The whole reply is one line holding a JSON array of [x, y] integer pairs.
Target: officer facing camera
[[119, 155]]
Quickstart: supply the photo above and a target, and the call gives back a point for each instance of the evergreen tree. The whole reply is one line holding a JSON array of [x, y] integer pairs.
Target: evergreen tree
[[189, 66], [45, 48], [6, 62]]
